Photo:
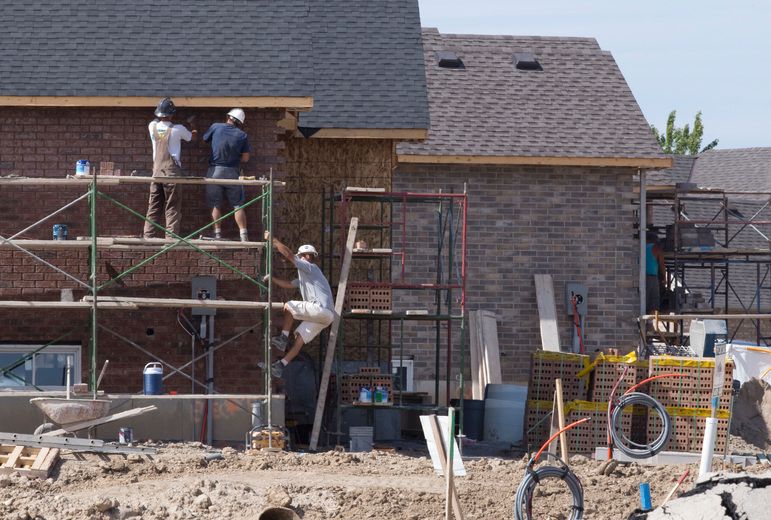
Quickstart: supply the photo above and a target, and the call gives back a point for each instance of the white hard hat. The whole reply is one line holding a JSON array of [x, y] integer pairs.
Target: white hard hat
[[238, 114], [307, 249]]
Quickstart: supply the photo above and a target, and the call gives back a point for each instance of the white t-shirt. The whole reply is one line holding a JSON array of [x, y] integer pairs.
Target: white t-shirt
[[178, 133]]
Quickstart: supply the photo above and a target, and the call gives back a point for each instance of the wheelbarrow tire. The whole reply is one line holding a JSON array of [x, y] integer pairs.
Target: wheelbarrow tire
[[45, 428]]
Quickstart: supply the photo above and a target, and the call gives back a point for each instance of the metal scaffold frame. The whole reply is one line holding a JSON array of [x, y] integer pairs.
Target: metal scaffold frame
[[94, 302], [719, 213], [451, 268]]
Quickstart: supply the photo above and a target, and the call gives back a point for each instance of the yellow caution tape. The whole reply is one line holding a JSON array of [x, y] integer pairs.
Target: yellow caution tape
[[679, 411], [667, 361], [630, 358], [590, 406]]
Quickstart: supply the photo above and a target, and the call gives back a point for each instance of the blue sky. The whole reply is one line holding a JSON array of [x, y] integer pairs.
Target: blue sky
[[684, 55]]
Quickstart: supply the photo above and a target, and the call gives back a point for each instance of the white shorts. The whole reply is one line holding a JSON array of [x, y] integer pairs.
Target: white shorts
[[314, 317]]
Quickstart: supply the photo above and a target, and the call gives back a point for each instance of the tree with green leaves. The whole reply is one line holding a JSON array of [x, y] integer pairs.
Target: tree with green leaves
[[682, 141]]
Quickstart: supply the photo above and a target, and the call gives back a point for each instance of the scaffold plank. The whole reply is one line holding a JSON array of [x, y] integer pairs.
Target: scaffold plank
[[179, 302], [110, 180], [55, 304], [134, 244]]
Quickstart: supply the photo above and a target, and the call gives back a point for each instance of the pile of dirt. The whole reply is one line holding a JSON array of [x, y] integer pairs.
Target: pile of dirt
[[752, 414], [186, 481]]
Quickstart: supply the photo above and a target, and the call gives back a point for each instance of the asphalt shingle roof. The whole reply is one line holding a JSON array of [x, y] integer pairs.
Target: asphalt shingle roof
[[368, 65], [737, 169], [578, 106], [151, 48], [360, 60], [679, 172]]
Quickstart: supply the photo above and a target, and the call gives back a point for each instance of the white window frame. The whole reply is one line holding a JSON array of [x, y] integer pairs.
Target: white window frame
[[74, 350], [409, 376]]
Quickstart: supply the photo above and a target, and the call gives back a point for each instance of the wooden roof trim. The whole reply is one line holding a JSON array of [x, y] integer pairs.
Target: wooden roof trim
[[296, 103], [371, 133], [648, 163]]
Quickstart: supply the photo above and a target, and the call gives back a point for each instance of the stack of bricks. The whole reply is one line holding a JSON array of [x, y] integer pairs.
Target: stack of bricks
[[545, 367], [368, 299], [688, 400], [369, 377]]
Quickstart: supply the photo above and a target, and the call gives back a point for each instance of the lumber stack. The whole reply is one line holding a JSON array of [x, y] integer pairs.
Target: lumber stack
[[485, 352]]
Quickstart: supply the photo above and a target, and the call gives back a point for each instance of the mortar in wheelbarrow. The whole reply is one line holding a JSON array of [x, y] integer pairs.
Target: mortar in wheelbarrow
[[67, 411]]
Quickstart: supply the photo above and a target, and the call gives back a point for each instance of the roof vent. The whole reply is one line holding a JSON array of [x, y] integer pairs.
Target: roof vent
[[526, 61], [449, 60]]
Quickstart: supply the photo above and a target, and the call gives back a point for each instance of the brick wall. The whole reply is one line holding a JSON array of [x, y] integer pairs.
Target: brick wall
[[573, 223], [47, 143]]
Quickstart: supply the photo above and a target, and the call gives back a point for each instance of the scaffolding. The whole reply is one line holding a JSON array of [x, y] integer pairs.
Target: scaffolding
[[718, 259], [386, 223], [95, 301]]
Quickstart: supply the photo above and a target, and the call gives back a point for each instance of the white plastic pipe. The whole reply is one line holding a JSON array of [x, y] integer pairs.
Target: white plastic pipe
[[68, 377], [710, 432]]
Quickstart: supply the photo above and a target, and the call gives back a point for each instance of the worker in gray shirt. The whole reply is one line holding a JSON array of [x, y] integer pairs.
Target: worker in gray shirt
[[315, 311]]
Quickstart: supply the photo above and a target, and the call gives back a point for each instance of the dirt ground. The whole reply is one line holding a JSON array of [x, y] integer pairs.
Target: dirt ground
[[179, 483]]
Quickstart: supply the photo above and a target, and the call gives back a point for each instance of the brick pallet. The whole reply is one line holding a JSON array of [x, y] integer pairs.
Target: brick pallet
[[545, 367], [688, 429], [606, 373], [694, 391], [585, 437]]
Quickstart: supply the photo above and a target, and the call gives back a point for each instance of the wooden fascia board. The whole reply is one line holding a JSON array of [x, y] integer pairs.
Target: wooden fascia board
[[371, 133], [647, 163], [295, 103]]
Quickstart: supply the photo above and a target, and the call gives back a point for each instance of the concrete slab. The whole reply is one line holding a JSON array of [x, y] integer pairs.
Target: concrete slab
[[178, 417]]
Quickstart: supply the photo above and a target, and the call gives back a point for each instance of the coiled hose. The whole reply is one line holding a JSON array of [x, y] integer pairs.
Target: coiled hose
[[523, 502], [523, 505], [625, 444]]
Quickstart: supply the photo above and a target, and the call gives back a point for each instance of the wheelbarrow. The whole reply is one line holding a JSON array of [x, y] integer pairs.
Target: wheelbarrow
[[79, 414]]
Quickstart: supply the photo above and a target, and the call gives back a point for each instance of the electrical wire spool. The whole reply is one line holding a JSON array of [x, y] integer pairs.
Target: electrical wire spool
[[523, 505], [627, 445]]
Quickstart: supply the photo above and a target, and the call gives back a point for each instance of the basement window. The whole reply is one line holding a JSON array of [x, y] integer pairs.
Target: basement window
[[46, 369], [526, 61], [449, 60]]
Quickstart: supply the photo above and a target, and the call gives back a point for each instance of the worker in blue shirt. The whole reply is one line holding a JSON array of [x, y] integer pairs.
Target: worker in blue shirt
[[655, 274], [229, 149]]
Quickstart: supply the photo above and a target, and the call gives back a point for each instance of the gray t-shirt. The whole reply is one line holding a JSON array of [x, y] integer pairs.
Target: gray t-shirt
[[313, 286]]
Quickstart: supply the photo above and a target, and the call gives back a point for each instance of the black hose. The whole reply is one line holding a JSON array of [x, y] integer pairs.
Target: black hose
[[523, 505], [627, 445]]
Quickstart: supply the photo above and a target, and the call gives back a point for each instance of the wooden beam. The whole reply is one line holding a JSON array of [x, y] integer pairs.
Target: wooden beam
[[293, 102], [433, 422], [176, 303], [332, 340], [55, 304], [130, 244], [110, 180], [678, 317], [371, 133], [547, 312], [652, 163]]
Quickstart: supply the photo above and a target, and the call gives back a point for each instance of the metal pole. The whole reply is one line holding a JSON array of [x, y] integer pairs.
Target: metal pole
[[643, 228], [94, 285], [269, 270], [210, 383]]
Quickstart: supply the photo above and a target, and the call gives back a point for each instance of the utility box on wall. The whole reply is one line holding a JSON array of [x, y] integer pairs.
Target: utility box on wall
[[580, 291], [204, 288]]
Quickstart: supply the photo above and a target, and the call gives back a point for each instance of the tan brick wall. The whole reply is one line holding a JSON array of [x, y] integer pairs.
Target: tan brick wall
[[576, 224]]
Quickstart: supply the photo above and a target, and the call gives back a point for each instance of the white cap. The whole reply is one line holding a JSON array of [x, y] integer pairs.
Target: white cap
[[238, 114], [307, 249]]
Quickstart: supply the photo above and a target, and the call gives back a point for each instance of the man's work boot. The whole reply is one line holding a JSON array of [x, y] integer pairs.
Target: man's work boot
[[277, 369], [280, 342]]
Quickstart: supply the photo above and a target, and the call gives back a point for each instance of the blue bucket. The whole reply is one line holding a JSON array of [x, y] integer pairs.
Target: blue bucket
[[153, 379]]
